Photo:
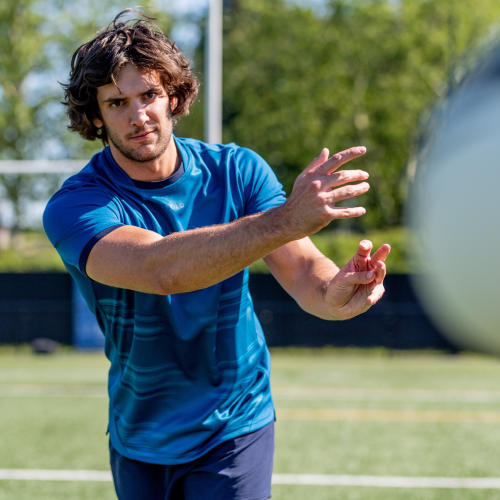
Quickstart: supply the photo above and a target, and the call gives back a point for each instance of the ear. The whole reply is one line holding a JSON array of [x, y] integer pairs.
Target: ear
[[174, 101], [98, 123]]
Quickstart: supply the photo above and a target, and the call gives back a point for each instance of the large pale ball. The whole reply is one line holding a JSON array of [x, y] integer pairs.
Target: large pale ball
[[454, 211]]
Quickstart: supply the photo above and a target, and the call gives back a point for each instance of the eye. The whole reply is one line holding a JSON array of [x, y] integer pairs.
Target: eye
[[151, 94], [115, 104]]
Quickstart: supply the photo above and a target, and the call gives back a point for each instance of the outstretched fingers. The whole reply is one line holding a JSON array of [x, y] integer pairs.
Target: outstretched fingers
[[333, 186], [347, 192], [319, 188], [346, 212], [343, 177], [338, 159]]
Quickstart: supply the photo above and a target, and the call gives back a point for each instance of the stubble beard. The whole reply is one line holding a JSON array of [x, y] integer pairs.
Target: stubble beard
[[134, 154]]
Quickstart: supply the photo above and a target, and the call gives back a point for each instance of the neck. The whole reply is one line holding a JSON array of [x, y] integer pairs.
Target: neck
[[154, 170]]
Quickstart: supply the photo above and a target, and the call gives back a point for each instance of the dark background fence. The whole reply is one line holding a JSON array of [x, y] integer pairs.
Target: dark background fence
[[35, 305], [45, 305], [398, 321]]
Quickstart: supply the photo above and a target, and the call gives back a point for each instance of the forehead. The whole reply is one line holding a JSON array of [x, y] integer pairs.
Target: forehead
[[130, 81]]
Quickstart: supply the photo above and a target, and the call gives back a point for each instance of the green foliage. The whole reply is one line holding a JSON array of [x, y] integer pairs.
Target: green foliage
[[295, 79], [364, 72], [38, 40], [341, 245], [20, 56], [30, 251]]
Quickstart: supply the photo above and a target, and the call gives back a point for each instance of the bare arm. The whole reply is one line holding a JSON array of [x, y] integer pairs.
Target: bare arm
[[134, 258], [320, 287], [138, 259], [303, 271]]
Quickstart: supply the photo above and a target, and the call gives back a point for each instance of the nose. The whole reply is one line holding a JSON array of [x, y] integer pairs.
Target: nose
[[138, 114]]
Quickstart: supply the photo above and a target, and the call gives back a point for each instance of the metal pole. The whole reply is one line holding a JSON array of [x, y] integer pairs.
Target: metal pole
[[213, 72]]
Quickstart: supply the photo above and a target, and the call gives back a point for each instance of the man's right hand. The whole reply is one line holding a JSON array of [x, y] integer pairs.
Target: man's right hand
[[312, 202]]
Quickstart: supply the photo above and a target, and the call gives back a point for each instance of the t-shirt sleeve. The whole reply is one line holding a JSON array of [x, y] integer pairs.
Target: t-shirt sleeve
[[262, 190], [75, 220]]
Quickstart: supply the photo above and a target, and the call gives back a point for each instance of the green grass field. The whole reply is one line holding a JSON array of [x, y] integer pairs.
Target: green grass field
[[339, 412]]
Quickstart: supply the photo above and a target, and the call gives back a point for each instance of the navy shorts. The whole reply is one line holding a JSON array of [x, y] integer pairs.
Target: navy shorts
[[238, 469]]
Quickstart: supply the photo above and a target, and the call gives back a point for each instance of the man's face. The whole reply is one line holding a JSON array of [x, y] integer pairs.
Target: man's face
[[136, 114]]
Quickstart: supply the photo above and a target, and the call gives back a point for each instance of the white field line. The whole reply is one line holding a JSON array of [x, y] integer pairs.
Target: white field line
[[388, 481], [378, 415], [55, 475], [45, 395], [50, 391], [365, 394], [280, 479]]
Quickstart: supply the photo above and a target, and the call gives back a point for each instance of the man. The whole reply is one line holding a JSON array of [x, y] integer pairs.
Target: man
[[157, 232]]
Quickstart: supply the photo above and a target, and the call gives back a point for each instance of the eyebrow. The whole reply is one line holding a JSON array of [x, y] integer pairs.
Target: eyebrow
[[154, 88]]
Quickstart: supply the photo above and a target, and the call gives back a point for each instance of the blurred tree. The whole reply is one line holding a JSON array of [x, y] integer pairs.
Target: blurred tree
[[364, 72], [39, 38], [295, 80], [20, 56]]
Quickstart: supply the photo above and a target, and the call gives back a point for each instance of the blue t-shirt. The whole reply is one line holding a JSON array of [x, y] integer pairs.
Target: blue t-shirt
[[189, 370]]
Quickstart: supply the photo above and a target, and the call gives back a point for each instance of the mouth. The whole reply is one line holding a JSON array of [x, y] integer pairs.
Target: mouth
[[141, 135]]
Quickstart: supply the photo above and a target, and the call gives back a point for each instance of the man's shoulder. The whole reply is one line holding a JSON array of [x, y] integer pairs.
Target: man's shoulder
[[85, 187], [199, 146], [88, 178], [84, 200], [224, 153]]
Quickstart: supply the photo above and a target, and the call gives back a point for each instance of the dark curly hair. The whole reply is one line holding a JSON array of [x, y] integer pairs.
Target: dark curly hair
[[99, 61]]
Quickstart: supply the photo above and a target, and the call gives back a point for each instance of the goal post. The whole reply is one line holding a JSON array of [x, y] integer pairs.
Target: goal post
[[27, 185], [41, 167]]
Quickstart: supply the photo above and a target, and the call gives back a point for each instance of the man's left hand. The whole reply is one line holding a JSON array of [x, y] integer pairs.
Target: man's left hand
[[359, 284]]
